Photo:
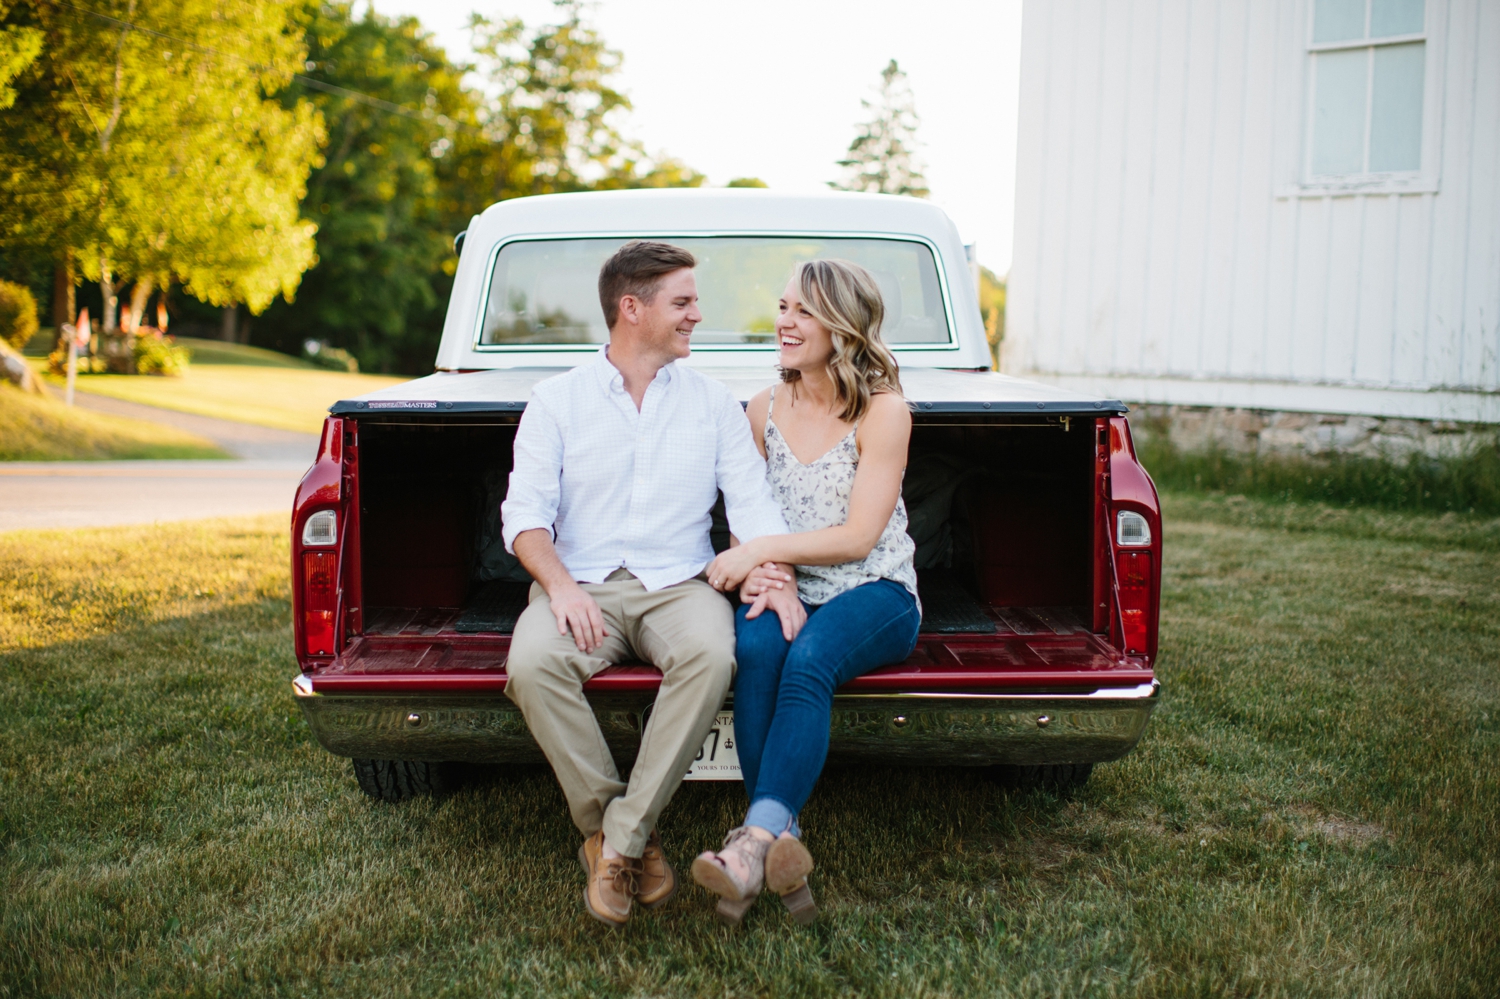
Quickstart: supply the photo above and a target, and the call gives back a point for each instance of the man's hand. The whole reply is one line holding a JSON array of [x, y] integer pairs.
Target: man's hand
[[578, 612], [731, 566], [574, 609]]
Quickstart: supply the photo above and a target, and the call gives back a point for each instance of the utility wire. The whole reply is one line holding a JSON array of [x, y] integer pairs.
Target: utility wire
[[307, 81]]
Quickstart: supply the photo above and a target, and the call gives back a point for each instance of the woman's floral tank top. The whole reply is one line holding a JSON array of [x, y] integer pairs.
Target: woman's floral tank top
[[815, 496]]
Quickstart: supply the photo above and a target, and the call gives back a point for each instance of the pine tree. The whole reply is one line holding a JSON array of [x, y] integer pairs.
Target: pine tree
[[883, 159]]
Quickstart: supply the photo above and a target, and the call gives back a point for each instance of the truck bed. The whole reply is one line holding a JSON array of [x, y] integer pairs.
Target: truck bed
[[1024, 655]]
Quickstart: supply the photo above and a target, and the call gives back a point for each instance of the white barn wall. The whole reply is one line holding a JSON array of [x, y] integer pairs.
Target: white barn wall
[[1164, 252]]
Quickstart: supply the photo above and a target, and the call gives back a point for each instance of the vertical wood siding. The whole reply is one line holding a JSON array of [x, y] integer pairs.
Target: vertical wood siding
[[1158, 233]]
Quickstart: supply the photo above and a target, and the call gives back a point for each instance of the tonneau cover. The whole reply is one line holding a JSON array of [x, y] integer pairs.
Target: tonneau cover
[[929, 389]]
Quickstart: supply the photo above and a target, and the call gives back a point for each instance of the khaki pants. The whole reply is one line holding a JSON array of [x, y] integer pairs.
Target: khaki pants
[[686, 631]]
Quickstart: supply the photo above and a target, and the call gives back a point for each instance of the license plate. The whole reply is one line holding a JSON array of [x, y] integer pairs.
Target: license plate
[[718, 759]]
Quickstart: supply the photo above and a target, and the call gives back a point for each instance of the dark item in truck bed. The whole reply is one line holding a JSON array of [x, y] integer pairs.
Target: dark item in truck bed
[[928, 488], [493, 562], [495, 608]]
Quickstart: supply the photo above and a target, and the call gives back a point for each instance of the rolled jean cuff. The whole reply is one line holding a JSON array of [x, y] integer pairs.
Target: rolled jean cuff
[[773, 816]]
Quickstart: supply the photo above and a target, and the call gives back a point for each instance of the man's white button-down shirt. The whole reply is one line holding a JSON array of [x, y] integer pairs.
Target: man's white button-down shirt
[[625, 489]]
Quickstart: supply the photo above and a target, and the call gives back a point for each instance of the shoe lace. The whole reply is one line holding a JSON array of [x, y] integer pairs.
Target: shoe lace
[[746, 848], [736, 835], [616, 871]]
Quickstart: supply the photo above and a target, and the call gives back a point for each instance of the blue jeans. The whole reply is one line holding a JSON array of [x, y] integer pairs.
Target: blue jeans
[[783, 691]]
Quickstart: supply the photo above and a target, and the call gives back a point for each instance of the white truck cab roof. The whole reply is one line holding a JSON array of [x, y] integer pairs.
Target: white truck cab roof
[[693, 215]]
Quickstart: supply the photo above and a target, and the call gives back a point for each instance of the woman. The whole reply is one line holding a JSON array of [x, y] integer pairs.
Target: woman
[[834, 435]]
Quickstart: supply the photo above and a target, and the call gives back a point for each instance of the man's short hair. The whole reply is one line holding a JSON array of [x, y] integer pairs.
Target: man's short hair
[[637, 269]]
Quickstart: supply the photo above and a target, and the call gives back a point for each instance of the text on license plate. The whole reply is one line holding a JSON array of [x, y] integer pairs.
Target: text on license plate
[[719, 759]]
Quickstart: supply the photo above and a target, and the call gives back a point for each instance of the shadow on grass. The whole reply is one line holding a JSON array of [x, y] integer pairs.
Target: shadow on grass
[[1310, 813]]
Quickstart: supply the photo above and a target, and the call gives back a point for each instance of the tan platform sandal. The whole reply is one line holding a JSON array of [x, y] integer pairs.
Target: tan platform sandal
[[736, 896], [787, 866]]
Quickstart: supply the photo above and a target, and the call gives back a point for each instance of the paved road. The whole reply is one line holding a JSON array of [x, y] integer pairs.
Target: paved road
[[103, 493]]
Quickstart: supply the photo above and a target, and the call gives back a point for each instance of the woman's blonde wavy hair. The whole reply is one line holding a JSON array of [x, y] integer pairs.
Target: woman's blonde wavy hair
[[844, 297]]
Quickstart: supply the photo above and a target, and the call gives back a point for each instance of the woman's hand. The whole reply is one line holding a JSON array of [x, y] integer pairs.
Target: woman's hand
[[729, 569], [766, 576], [785, 602]]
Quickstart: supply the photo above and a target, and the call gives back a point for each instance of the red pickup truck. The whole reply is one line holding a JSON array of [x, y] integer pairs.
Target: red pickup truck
[[1038, 532]]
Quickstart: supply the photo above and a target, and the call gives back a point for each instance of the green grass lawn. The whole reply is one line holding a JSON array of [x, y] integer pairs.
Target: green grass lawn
[[246, 384], [1313, 810], [37, 429]]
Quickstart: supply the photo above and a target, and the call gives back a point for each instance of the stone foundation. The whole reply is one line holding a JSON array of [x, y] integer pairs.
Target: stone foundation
[[1268, 433]]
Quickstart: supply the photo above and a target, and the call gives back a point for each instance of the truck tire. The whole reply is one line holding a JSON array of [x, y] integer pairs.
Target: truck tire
[[399, 780], [1059, 778]]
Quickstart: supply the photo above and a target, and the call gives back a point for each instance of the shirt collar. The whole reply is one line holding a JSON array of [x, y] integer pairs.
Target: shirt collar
[[608, 376], [610, 379]]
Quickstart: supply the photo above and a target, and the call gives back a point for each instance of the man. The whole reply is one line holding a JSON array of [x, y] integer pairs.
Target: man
[[617, 466]]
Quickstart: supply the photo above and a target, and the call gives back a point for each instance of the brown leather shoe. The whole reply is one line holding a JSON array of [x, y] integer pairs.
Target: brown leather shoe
[[657, 882], [611, 884]]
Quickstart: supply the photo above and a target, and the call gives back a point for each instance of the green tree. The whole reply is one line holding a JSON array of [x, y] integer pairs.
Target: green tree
[[384, 233], [401, 177], [883, 159], [19, 45], [553, 122], [992, 309], [149, 145]]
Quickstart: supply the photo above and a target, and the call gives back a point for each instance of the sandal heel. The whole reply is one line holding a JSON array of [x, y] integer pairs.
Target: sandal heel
[[800, 905], [787, 865], [732, 913]]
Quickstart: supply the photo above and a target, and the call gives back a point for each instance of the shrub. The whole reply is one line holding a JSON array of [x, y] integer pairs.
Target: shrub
[[17, 314], [1470, 483], [159, 355]]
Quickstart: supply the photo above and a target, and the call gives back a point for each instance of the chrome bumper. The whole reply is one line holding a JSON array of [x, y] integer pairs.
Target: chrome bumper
[[902, 728]]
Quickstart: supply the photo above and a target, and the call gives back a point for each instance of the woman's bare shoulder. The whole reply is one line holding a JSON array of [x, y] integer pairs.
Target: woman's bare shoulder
[[890, 406], [761, 400], [887, 423]]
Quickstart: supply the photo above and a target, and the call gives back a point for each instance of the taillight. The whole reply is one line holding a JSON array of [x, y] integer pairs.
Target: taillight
[[1135, 599], [319, 594], [1131, 530], [322, 528]]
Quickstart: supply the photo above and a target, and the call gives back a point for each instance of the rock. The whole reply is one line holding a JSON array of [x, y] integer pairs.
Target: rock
[[18, 372], [1200, 429], [1282, 441]]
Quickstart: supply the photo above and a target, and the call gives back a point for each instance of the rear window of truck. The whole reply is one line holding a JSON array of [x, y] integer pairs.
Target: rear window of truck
[[545, 292]]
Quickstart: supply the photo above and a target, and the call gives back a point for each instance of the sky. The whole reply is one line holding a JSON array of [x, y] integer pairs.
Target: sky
[[772, 89]]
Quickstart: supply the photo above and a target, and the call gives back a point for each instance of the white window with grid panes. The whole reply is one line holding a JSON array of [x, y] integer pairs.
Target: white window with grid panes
[[1368, 95]]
